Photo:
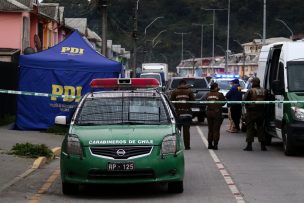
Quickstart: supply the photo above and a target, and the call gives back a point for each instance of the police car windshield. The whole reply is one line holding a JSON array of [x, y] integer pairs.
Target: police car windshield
[[225, 84], [196, 83], [122, 111]]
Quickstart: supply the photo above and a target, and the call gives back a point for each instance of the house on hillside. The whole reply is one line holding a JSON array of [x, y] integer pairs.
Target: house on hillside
[[243, 64]]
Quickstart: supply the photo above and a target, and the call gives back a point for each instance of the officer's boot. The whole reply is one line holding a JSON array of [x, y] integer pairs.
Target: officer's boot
[[248, 147], [263, 146], [215, 146], [210, 145]]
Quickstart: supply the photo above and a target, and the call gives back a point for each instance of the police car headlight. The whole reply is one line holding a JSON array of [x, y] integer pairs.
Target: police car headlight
[[297, 113], [169, 145], [73, 145]]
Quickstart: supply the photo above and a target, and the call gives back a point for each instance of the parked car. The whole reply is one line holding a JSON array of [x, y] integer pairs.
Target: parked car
[[122, 137], [200, 88]]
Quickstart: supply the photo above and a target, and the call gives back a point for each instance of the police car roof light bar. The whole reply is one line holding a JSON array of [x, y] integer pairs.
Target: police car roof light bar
[[115, 83], [227, 76]]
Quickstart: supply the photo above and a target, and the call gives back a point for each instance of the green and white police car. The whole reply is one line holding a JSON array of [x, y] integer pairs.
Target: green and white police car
[[121, 137]]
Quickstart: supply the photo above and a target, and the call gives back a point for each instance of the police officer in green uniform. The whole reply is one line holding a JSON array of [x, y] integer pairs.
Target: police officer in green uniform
[[255, 114], [214, 116], [183, 93]]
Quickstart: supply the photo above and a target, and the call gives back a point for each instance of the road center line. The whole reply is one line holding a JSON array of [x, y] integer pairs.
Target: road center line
[[227, 177], [35, 198]]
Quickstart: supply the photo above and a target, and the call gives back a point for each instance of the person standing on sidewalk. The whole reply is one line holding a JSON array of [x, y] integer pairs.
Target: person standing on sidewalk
[[235, 94], [255, 115], [214, 116], [183, 93]]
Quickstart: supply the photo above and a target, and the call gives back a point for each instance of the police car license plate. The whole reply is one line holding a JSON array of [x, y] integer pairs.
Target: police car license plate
[[195, 109], [127, 166]]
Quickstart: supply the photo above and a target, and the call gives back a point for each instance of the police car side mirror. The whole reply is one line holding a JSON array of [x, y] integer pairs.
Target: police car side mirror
[[277, 88], [61, 120]]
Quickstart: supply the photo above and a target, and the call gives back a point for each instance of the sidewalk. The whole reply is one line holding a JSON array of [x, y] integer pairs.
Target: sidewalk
[[11, 166]]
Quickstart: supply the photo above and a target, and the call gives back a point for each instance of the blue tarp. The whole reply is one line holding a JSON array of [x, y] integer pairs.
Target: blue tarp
[[66, 68]]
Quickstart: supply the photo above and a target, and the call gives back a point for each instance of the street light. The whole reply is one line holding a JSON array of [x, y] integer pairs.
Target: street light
[[202, 35], [285, 24], [219, 9], [135, 29], [244, 57], [182, 34], [228, 36], [219, 46], [158, 36], [264, 23], [159, 17]]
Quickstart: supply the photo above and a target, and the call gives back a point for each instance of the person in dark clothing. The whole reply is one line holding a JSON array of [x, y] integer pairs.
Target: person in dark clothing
[[235, 94], [214, 116], [255, 115], [183, 93]]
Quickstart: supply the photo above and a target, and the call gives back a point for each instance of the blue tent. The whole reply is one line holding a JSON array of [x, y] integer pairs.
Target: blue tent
[[67, 69]]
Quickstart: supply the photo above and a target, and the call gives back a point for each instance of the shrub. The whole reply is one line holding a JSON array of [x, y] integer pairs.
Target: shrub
[[31, 150]]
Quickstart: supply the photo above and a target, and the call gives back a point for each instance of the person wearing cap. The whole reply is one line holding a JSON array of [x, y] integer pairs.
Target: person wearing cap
[[183, 93], [255, 115], [214, 115], [235, 94]]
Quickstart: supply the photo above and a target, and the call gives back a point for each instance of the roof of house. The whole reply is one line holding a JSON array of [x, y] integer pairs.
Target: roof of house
[[93, 35], [50, 10], [61, 13], [267, 41], [79, 24], [16, 5]]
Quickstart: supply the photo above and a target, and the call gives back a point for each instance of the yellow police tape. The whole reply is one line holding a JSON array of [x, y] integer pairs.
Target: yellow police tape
[[181, 102]]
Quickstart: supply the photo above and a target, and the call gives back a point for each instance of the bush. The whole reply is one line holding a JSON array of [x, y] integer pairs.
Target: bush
[[31, 150]]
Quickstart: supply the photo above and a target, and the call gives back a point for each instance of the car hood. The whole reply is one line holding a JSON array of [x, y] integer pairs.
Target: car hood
[[122, 135]]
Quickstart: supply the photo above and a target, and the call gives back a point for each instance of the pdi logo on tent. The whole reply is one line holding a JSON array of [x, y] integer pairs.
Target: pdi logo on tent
[[72, 51]]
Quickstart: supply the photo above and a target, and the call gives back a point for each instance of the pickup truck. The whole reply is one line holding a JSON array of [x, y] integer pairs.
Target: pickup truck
[[199, 87]]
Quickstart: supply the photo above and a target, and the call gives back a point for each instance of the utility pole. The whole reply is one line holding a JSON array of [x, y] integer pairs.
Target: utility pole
[[228, 33], [182, 34], [213, 10], [264, 23], [202, 35], [104, 11], [134, 35]]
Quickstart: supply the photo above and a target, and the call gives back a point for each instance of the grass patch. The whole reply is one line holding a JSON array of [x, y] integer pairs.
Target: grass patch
[[7, 119], [31, 150], [58, 129]]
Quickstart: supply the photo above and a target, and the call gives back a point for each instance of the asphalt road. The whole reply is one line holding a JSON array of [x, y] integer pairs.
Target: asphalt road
[[223, 176]]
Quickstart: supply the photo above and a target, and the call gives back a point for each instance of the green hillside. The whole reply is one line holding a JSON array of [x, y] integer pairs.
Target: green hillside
[[179, 15]]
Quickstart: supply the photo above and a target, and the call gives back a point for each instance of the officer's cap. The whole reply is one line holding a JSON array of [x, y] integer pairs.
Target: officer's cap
[[235, 81]]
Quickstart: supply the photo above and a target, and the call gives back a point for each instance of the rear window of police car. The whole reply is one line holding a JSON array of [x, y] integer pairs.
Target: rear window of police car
[[123, 108]]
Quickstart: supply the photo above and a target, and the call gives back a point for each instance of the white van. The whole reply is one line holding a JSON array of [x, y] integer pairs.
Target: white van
[[281, 71]]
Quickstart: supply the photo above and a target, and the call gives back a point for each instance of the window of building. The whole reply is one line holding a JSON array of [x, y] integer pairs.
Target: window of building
[[26, 33]]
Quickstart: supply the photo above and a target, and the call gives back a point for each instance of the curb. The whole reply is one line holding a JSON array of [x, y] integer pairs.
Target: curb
[[41, 161], [38, 163]]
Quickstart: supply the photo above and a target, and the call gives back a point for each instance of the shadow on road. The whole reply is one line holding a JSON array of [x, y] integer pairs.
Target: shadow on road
[[124, 191]]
